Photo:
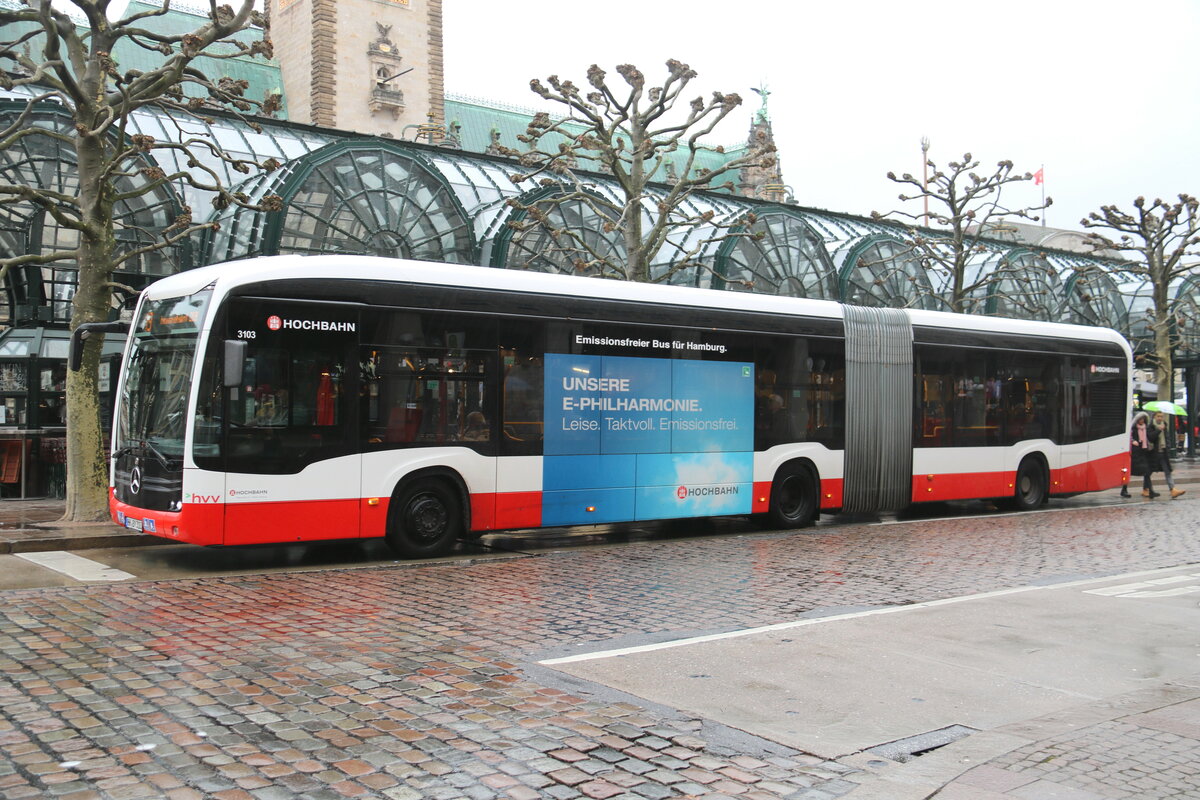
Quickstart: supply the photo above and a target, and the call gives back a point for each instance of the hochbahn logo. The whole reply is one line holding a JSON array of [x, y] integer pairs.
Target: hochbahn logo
[[275, 323], [684, 492]]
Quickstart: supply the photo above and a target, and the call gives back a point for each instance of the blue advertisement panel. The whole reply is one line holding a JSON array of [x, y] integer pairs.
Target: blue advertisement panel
[[646, 438]]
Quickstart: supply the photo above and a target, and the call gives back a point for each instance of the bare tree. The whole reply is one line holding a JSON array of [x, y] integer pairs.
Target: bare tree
[[630, 134], [962, 210], [64, 60], [1160, 244]]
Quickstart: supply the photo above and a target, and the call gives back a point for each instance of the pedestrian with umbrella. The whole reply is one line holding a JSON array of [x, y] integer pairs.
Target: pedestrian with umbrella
[[1162, 445]]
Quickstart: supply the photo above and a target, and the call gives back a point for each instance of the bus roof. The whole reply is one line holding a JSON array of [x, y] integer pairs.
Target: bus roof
[[229, 275]]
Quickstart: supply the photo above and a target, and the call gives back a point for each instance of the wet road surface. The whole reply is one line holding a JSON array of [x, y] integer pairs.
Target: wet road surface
[[331, 670]]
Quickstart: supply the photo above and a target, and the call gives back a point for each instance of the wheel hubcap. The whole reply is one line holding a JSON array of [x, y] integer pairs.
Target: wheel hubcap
[[427, 517], [791, 496]]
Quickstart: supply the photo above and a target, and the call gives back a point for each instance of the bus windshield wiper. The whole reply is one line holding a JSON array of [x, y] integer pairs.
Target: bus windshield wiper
[[164, 460]]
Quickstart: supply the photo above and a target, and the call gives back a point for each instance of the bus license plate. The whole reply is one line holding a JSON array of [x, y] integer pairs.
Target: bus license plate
[[133, 524]]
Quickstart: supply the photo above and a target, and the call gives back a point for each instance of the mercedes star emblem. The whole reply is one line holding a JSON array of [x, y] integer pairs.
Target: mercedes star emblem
[[135, 480]]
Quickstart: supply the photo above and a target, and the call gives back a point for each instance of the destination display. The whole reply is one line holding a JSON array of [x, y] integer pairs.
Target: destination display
[[646, 438]]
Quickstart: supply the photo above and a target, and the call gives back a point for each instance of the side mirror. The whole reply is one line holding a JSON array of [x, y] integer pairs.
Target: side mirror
[[235, 362], [81, 333]]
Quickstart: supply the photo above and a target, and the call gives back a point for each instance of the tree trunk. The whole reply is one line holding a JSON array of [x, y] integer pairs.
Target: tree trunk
[[87, 470], [87, 473], [1164, 366]]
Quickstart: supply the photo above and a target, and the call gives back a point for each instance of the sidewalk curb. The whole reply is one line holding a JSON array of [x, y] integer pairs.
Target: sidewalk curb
[[81, 542]]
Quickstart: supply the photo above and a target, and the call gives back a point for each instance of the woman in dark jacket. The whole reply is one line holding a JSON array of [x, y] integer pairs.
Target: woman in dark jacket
[[1143, 450], [1162, 451]]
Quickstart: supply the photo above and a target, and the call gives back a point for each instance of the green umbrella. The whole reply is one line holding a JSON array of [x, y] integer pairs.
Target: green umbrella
[[1165, 407]]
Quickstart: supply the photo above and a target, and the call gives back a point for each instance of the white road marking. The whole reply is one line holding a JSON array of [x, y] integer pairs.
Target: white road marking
[[1148, 588], [1165, 592], [73, 566], [800, 623]]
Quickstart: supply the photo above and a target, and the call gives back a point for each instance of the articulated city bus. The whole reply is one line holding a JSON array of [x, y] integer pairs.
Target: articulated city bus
[[295, 398]]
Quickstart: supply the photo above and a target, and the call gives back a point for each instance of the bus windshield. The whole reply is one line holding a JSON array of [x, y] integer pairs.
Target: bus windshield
[[158, 374]]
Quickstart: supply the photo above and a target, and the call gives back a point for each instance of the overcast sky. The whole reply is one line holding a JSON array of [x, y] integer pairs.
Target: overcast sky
[[1105, 95]]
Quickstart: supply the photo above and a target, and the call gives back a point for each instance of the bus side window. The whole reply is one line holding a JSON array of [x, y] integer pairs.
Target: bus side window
[[799, 392], [289, 410], [1076, 402], [935, 397], [782, 379], [1031, 397], [264, 401], [523, 404], [425, 396], [521, 396]]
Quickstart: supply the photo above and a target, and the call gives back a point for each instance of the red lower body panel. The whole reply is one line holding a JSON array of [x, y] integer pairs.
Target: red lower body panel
[[1091, 476], [1103, 473], [961, 486], [261, 523], [832, 493]]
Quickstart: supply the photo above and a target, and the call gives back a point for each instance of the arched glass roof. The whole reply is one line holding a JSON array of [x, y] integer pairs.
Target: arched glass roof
[[1092, 296], [372, 198], [1186, 307], [366, 196], [783, 255], [1024, 285], [49, 163], [482, 186], [347, 193], [283, 142], [572, 237], [881, 270], [1140, 304], [582, 234], [688, 256]]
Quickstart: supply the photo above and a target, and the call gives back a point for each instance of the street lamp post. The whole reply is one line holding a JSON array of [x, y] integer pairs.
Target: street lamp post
[[925, 175]]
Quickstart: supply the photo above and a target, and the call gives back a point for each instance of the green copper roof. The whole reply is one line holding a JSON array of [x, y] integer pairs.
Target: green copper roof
[[263, 75], [475, 120]]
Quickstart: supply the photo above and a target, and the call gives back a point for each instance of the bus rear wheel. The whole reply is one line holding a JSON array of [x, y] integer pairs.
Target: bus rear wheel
[[1031, 488], [425, 518], [794, 497]]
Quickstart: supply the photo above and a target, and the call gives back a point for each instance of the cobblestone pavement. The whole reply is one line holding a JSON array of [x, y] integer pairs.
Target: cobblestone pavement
[[407, 682], [1148, 756]]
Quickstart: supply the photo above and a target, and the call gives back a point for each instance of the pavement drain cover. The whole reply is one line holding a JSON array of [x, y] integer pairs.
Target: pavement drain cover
[[903, 750]]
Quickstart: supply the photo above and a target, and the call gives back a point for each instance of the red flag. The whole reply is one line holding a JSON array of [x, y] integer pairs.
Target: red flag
[[1038, 177]]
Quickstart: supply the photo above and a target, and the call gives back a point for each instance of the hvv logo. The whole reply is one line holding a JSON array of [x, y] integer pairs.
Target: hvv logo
[[202, 498]]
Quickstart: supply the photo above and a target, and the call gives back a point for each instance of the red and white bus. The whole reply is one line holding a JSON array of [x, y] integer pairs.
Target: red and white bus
[[293, 399]]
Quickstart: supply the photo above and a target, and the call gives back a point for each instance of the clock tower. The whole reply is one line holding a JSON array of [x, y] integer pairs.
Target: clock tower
[[373, 66]]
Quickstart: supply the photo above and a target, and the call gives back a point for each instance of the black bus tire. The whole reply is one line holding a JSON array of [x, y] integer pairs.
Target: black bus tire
[[794, 497], [1031, 488], [425, 518]]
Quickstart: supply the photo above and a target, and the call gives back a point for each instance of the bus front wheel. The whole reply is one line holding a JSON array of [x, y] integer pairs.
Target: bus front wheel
[[1031, 488], [794, 497], [424, 519]]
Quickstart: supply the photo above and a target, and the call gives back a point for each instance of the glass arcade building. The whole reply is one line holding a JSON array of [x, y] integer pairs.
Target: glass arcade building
[[348, 193]]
